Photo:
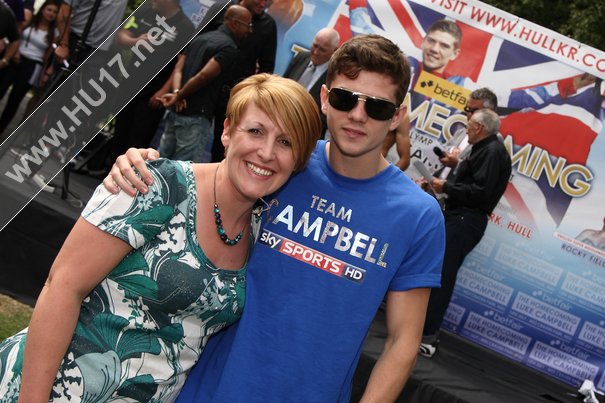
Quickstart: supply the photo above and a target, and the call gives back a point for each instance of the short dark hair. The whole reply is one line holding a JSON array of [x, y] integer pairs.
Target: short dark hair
[[372, 53], [447, 26], [489, 99]]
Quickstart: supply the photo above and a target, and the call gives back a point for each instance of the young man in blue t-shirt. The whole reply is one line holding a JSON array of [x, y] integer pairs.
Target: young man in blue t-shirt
[[344, 234]]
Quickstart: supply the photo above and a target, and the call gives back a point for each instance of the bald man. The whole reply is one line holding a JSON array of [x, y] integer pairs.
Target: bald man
[[197, 81], [309, 68]]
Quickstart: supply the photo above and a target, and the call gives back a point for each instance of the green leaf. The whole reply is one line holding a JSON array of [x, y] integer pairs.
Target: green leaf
[[140, 388], [133, 262], [150, 223], [139, 285], [173, 333], [105, 331], [134, 342], [100, 375]]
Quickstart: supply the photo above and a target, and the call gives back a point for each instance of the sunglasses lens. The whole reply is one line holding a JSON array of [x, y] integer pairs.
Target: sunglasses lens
[[342, 100], [379, 109], [345, 100]]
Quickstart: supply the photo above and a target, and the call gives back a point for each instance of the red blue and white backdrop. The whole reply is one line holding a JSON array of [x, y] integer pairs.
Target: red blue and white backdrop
[[533, 290]]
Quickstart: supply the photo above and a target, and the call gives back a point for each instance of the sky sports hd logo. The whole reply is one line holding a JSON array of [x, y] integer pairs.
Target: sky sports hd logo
[[312, 257]]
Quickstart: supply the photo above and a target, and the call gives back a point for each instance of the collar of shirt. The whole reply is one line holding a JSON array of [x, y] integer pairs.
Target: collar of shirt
[[320, 69]]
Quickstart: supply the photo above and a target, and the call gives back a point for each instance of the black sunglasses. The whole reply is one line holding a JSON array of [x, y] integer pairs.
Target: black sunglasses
[[376, 108], [469, 110]]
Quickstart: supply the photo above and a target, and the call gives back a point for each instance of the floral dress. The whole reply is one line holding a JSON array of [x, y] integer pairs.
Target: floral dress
[[144, 326]]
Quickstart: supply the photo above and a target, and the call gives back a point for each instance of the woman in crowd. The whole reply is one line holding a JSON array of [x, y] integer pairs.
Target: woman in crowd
[[36, 41], [141, 283]]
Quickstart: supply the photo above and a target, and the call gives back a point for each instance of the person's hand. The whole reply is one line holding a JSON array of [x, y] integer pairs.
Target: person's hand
[[45, 76], [143, 37], [181, 105], [62, 53], [155, 101], [123, 175], [583, 80], [424, 185], [437, 185], [451, 158], [170, 100]]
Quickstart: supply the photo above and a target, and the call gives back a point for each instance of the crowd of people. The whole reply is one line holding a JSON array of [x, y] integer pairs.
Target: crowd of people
[[272, 197], [25, 41], [37, 44]]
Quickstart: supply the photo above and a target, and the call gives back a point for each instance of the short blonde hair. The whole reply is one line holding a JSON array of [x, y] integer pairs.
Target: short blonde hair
[[286, 103]]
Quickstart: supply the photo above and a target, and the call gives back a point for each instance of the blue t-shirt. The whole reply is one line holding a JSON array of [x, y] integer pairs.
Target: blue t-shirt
[[330, 249]]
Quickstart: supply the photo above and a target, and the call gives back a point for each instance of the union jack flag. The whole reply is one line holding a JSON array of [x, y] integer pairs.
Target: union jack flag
[[539, 106]]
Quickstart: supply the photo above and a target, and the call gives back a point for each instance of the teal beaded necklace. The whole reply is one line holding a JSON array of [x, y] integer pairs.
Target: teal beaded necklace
[[219, 222]]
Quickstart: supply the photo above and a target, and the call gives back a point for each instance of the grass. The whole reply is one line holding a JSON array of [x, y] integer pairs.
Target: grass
[[14, 316]]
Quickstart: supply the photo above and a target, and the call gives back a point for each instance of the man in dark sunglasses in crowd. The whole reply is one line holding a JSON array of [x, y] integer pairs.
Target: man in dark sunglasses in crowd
[[340, 235]]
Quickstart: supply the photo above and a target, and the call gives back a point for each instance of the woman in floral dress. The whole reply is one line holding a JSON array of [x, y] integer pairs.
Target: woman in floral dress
[[142, 282]]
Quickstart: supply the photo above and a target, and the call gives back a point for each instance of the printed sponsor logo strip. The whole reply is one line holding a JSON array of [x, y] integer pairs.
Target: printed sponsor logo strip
[[312, 257], [442, 90]]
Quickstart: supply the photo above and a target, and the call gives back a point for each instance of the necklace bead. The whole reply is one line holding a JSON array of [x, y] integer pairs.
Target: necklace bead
[[219, 222]]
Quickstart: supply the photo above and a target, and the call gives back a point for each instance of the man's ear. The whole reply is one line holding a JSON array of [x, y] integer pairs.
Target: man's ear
[[398, 117], [456, 54], [323, 94]]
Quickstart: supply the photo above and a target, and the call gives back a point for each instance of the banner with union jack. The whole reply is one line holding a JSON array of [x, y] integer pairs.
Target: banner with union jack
[[533, 290]]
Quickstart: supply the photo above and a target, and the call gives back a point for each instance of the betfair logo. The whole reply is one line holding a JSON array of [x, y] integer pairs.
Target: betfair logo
[[442, 90]]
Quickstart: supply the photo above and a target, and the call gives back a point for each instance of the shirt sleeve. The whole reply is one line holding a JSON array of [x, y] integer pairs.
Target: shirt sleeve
[[137, 219], [12, 32], [225, 57], [421, 266]]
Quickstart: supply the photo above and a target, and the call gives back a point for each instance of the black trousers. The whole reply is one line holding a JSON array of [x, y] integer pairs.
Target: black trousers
[[135, 126], [18, 75], [463, 231]]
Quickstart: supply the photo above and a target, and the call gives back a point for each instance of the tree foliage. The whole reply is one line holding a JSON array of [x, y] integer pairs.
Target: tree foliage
[[577, 19]]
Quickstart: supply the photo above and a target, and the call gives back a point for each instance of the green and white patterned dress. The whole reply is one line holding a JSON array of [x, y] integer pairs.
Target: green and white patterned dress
[[144, 326]]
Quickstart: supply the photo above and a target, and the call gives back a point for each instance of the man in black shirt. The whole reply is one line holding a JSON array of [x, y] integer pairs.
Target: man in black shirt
[[198, 78], [258, 49], [256, 55], [473, 191], [137, 123]]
